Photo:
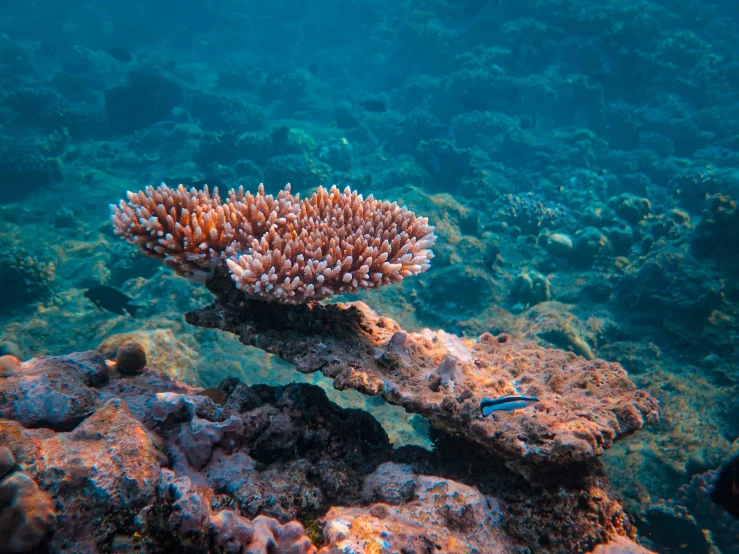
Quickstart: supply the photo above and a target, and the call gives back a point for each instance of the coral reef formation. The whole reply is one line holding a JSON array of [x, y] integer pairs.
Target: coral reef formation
[[27, 518], [23, 169], [579, 161], [156, 465], [281, 248], [182, 517], [532, 215], [717, 233], [24, 278], [415, 513], [145, 98], [695, 497], [584, 405], [673, 289]]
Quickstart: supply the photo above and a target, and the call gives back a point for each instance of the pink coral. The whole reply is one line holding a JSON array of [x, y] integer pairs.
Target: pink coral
[[187, 229], [282, 248], [339, 242]]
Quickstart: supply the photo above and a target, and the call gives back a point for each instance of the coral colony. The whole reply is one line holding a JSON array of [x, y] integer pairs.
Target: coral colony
[[562, 271], [284, 248]]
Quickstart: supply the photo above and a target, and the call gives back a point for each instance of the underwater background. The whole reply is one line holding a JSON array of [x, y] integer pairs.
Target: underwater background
[[579, 160]]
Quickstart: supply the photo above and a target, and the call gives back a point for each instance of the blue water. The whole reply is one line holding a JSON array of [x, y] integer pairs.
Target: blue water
[[579, 159]]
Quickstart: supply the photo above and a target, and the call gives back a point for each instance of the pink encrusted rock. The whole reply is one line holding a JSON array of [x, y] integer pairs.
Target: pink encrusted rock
[[26, 514], [585, 405], [440, 515], [9, 365], [621, 545], [198, 438], [193, 473], [104, 470], [391, 484], [192, 447]]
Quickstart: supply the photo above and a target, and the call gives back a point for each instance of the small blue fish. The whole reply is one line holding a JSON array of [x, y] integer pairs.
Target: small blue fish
[[506, 403]]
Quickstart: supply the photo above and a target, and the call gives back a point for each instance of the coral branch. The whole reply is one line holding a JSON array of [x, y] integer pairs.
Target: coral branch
[[186, 229], [337, 243]]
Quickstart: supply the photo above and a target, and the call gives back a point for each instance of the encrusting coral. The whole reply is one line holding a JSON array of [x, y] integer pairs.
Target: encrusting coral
[[282, 248]]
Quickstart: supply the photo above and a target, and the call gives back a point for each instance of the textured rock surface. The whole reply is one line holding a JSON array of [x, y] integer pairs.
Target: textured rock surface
[[45, 394], [670, 287], [415, 514], [691, 521], [585, 405], [620, 546], [156, 467], [109, 468], [182, 512], [27, 518], [100, 475]]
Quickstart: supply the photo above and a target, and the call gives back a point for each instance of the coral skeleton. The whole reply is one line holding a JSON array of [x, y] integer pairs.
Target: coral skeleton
[[279, 248]]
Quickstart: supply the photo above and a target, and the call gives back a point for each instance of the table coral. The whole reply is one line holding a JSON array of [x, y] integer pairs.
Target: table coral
[[282, 248]]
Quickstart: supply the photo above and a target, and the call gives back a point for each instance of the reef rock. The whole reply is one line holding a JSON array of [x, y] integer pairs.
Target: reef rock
[[22, 169], [43, 393], [100, 475], [27, 517], [434, 514], [108, 471], [183, 514], [717, 233], [670, 286], [155, 466], [142, 100], [584, 405]]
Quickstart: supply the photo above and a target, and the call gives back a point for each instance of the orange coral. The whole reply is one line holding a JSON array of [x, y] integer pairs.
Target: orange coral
[[279, 248], [187, 229]]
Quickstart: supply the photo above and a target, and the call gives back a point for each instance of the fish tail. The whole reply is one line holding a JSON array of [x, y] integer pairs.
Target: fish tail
[[131, 309]]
